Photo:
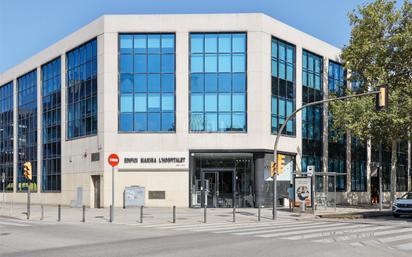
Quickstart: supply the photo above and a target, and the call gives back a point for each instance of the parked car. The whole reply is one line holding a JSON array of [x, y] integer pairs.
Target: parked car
[[402, 205]]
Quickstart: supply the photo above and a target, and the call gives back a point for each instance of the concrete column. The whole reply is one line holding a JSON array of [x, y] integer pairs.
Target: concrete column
[[15, 134], [259, 178], [39, 130], [298, 101], [64, 160], [325, 134]]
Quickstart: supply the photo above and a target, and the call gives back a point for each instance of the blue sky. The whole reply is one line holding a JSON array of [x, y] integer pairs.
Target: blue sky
[[28, 26]]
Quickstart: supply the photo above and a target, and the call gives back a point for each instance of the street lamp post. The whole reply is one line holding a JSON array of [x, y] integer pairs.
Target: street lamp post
[[275, 148]]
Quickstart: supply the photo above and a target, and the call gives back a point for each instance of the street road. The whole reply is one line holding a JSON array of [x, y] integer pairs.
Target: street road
[[282, 238]]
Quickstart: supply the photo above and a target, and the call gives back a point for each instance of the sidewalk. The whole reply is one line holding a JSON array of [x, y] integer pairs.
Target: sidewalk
[[150, 215]]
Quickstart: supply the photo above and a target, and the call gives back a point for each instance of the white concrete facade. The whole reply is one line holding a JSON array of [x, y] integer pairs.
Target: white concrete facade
[[77, 167]]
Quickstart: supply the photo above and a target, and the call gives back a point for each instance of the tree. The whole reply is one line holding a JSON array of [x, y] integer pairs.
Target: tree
[[379, 52]]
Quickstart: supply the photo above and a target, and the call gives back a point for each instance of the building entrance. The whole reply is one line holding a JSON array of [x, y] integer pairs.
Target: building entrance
[[221, 180], [218, 188]]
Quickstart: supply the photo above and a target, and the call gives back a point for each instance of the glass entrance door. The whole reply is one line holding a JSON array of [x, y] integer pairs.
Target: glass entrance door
[[219, 189]]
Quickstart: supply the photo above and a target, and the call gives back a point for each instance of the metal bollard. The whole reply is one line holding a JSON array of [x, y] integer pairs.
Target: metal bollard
[[205, 214], [303, 207], [111, 214], [174, 214], [259, 210], [59, 213], [234, 214], [42, 212], [141, 214], [84, 214]]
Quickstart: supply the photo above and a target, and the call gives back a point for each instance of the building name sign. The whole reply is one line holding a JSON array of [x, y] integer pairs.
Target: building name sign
[[154, 160]]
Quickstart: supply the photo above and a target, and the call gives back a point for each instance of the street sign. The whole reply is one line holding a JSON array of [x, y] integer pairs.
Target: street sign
[[113, 160], [3, 177], [273, 169], [310, 170]]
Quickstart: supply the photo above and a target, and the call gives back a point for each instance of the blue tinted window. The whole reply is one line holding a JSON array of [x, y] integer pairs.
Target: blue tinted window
[[82, 91], [126, 45], [27, 128], [148, 104], [6, 135], [218, 82], [283, 85], [126, 122]]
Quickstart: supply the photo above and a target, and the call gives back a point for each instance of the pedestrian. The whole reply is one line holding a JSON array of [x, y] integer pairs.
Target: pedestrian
[[291, 196]]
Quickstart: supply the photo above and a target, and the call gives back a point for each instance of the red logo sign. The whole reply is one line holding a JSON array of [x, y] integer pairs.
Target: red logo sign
[[113, 160]]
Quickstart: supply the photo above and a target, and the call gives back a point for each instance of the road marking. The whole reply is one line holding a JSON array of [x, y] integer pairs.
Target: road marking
[[332, 233], [305, 230], [14, 224], [265, 227], [235, 227], [298, 228], [406, 247], [395, 238]]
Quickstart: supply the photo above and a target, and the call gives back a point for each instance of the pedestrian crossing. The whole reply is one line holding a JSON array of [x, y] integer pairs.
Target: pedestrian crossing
[[13, 223], [356, 234]]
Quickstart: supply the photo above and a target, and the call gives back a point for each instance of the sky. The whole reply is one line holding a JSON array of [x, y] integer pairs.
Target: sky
[[29, 26]]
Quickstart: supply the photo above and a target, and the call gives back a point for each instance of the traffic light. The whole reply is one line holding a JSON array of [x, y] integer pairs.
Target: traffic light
[[273, 169], [278, 167], [281, 163], [382, 98], [27, 170]]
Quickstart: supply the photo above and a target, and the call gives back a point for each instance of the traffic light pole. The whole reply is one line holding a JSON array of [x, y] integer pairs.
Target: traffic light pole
[[28, 199], [275, 148]]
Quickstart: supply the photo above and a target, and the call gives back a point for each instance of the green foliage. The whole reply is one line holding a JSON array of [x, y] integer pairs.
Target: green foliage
[[379, 52]]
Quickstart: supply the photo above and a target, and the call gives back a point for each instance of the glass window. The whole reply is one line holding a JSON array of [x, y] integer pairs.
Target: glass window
[[126, 45], [196, 82], [210, 43], [126, 103], [27, 124], [239, 64], [140, 43], [224, 103], [196, 64], [168, 63], [168, 44], [140, 83], [197, 102], [126, 121], [153, 122], [210, 102], [126, 64], [210, 82], [283, 85], [196, 43], [153, 43], [140, 63], [224, 63], [126, 83], [210, 63], [83, 121], [239, 43], [168, 102], [217, 90], [224, 43], [153, 63], [239, 101], [6, 136], [150, 104], [140, 104]]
